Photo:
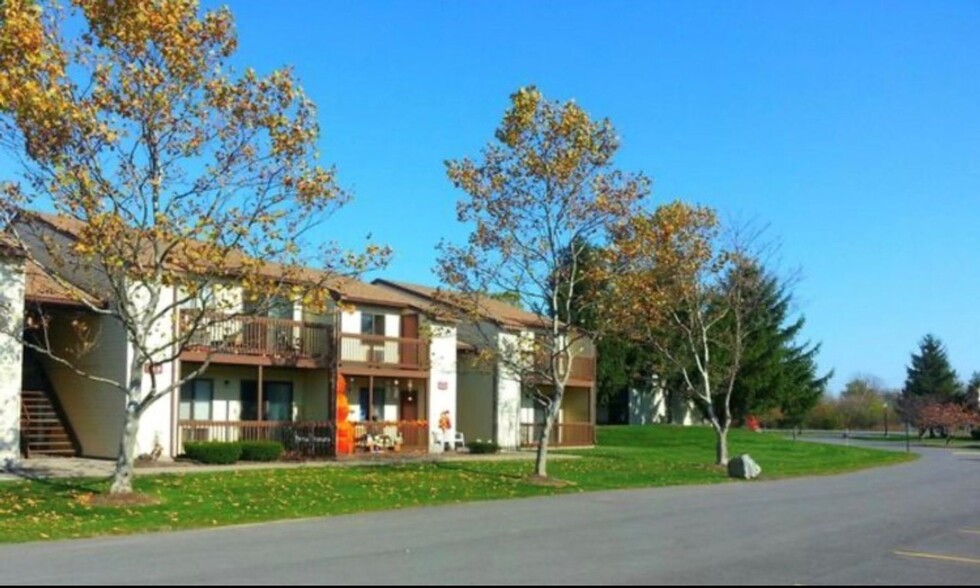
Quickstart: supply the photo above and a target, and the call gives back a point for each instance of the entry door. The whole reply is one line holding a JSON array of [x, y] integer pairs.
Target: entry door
[[408, 410], [408, 351]]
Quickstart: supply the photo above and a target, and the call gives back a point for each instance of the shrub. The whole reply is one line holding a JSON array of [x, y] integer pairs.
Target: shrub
[[975, 433], [261, 450], [214, 452], [480, 446]]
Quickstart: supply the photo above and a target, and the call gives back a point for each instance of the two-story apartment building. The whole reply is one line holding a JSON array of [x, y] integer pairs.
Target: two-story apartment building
[[270, 374], [493, 400]]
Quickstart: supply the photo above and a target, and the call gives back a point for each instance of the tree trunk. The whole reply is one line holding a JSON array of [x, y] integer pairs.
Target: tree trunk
[[122, 478], [721, 446], [541, 461]]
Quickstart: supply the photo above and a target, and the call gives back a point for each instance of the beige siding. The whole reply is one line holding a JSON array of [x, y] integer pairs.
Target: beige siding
[[310, 390], [95, 410], [474, 399], [575, 406]]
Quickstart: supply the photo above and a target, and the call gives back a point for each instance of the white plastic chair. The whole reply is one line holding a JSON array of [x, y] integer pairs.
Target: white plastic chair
[[459, 441]]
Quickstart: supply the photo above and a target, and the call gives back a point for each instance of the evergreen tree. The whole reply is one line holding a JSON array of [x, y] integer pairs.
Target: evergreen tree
[[930, 374], [621, 364], [777, 372]]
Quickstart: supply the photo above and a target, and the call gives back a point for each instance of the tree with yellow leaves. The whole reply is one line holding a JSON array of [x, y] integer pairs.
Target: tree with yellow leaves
[[168, 174], [542, 192], [672, 285]]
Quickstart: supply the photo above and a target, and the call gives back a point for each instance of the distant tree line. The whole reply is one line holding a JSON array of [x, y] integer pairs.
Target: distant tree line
[[933, 400]]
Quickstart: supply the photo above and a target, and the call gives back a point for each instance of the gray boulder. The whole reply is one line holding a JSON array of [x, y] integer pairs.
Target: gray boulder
[[743, 467]]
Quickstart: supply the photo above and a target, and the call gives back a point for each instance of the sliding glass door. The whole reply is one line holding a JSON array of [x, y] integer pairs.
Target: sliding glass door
[[277, 398]]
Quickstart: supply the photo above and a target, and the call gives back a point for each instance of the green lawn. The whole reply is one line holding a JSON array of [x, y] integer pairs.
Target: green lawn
[[627, 457]]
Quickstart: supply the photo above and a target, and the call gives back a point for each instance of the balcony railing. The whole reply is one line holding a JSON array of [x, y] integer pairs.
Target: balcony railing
[[254, 335], [384, 352], [562, 434], [306, 438]]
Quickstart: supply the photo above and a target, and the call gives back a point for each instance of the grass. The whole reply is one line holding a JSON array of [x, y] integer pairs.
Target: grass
[[627, 457]]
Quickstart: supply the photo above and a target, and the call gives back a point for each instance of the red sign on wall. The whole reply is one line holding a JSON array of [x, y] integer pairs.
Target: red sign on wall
[[156, 367], [443, 385]]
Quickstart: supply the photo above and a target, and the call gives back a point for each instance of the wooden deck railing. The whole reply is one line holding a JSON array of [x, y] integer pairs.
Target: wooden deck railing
[[410, 436], [253, 335], [562, 434], [384, 352], [306, 438]]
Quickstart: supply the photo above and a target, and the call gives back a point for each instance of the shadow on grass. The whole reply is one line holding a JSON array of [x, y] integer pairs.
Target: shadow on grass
[[44, 477], [460, 467]]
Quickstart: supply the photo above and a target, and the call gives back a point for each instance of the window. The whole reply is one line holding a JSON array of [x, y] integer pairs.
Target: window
[[195, 400], [371, 403], [272, 307], [280, 308], [277, 398], [372, 324], [203, 298]]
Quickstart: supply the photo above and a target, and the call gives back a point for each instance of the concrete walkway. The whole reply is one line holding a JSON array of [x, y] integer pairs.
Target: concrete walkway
[[76, 467]]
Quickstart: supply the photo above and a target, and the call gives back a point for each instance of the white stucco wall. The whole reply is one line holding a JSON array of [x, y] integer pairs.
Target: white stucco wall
[[649, 407], [11, 358], [442, 378], [509, 397], [157, 423]]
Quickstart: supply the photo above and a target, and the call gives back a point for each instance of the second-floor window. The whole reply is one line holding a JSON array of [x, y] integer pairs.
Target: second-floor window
[[274, 307], [202, 299], [372, 324]]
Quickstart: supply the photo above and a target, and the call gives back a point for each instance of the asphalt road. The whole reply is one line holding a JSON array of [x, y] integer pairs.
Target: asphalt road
[[916, 523]]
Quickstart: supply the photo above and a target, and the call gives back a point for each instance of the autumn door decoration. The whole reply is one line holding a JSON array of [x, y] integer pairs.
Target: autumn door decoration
[[445, 423]]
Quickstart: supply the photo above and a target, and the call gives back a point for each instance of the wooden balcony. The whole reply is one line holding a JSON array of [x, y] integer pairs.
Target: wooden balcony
[[378, 352], [284, 340], [306, 438], [562, 434]]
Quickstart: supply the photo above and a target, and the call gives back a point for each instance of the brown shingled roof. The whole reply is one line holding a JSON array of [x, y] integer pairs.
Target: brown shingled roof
[[491, 308], [41, 287], [345, 288]]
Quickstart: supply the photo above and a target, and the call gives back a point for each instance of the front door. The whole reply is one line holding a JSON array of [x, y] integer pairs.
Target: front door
[[408, 409]]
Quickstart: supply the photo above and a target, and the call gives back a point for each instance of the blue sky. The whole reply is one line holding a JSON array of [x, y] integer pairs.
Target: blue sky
[[852, 128]]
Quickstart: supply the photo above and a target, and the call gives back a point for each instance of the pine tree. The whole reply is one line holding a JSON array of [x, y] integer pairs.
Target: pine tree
[[777, 372], [930, 374]]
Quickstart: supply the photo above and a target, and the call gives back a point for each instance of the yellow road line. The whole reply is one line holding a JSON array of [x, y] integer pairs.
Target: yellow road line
[[940, 557], [974, 531]]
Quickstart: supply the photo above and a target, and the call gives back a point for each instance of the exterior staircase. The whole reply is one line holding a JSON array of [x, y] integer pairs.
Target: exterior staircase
[[44, 430]]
